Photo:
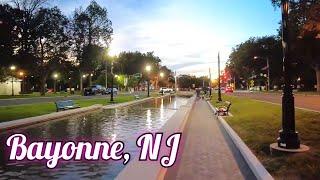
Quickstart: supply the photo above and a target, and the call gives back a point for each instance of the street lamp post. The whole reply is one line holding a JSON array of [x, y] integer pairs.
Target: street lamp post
[[288, 137], [12, 68], [161, 76], [148, 69], [219, 84], [106, 74], [268, 68], [55, 77], [112, 77], [21, 74]]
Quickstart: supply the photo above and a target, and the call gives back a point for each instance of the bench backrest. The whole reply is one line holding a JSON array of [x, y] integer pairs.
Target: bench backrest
[[63, 104], [228, 105]]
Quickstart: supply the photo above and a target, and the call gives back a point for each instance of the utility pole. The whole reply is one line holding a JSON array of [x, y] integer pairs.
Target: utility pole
[[210, 85], [219, 84]]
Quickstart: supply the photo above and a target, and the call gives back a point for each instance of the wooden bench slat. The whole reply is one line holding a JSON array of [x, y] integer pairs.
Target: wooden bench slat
[[65, 105]]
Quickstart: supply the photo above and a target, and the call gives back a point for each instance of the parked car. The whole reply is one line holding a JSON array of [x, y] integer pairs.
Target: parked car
[[115, 91], [95, 89], [166, 90], [228, 90]]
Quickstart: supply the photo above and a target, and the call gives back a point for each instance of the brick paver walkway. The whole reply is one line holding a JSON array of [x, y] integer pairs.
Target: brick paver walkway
[[208, 153]]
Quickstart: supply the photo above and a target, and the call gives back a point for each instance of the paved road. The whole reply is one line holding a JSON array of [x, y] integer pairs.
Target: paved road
[[208, 152], [311, 102], [20, 101]]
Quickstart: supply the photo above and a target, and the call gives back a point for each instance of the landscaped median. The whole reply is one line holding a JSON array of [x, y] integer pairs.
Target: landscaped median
[[8, 113], [258, 123]]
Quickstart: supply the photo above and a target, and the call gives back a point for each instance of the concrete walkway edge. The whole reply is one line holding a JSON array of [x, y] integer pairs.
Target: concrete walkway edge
[[46, 117], [255, 165], [153, 170]]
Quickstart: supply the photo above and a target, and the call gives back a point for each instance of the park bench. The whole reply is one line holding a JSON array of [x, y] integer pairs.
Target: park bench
[[223, 110], [65, 105], [136, 96]]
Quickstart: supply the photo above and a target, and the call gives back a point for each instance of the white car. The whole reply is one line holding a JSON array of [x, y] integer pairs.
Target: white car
[[166, 90]]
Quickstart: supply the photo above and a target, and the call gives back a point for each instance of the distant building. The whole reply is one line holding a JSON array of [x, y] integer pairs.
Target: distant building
[[6, 87]]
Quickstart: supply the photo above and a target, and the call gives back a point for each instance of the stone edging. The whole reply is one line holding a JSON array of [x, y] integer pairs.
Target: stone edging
[[112, 106], [46, 117], [62, 114], [152, 169], [255, 165]]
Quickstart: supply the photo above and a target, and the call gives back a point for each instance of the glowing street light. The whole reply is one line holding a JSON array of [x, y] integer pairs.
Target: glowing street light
[[55, 77], [21, 73], [148, 68], [161, 74], [112, 54], [12, 68]]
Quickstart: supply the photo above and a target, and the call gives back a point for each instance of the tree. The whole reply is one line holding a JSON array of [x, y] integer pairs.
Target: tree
[[92, 29], [8, 33], [241, 62], [52, 42], [305, 33]]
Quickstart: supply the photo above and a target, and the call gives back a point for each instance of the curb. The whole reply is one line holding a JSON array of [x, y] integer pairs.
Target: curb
[[152, 169], [163, 171], [130, 103], [62, 114], [46, 117], [254, 164]]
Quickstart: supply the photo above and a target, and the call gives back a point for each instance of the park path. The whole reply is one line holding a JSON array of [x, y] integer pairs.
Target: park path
[[311, 102], [208, 152]]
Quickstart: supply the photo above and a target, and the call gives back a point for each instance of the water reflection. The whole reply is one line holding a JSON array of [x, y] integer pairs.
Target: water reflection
[[124, 124], [161, 110], [149, 121]]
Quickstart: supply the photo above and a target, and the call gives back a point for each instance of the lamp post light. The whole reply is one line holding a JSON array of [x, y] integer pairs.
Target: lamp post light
[[112, 78], [55, 77], [219, 84], [21, 74], [148, 69], [161, 76], [288, 139], [268, 68], [12, 68]]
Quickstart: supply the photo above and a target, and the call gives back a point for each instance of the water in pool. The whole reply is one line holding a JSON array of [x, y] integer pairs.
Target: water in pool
[[124, 124]]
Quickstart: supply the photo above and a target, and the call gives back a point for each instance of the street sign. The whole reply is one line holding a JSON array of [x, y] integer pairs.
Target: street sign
[[137, 75]]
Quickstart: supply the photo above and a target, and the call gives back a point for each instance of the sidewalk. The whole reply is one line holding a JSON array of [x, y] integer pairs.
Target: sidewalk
[[208, 153]]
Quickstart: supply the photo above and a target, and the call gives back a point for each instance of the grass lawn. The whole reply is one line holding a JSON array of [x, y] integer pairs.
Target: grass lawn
[[258, 123], [8, 113]]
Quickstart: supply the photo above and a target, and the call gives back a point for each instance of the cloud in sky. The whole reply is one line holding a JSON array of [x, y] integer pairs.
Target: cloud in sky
[[187, 35]]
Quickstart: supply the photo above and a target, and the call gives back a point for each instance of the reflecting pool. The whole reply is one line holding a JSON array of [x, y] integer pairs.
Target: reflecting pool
[[124, 124]]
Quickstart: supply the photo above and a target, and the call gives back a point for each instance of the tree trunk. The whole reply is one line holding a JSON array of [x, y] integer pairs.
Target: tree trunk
[[43, 80], [81, 83], [90, 80], [317, 69]]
